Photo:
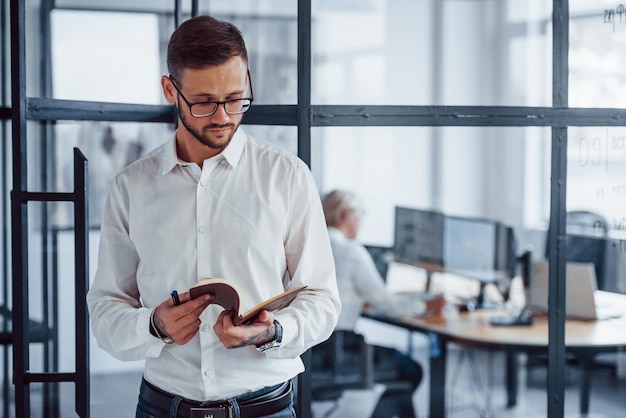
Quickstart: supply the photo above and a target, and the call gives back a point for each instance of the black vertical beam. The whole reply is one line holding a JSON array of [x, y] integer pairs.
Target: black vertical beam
[[4, 295], [304, 80], [556, 240], [438, 365], [19, 218], [81, 275], [305, 53], [50, 398], [178, 12]]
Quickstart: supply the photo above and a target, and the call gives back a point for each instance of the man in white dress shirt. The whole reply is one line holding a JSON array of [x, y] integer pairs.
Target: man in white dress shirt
[[212, 202]]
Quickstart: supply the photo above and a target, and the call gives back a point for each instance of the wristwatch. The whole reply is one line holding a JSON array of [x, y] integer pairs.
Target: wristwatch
[[278, 338], [155, 331]]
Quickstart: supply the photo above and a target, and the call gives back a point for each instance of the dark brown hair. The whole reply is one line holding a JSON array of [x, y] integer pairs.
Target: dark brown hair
[[203, 41]]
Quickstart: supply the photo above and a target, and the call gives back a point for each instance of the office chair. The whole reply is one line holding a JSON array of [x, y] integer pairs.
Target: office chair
[[346, 361], [587, 241], [581, 222], [334, 368]]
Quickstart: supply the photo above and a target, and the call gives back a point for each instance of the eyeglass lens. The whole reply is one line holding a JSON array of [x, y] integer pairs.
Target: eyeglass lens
[[233, 107]]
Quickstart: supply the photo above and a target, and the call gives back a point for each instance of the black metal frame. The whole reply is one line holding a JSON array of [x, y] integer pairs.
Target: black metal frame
[[304, 116], [22, 331]]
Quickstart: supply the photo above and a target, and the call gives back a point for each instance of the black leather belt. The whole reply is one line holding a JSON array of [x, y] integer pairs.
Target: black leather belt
[[269, 403]]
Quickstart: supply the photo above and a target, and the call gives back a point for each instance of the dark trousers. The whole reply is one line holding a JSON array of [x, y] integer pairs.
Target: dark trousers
[[391, 365]]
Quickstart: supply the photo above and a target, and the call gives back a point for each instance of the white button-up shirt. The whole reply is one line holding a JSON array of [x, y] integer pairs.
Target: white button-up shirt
[[252, 215]]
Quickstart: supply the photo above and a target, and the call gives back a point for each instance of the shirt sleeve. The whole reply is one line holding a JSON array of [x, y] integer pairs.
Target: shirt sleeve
[[312, 317], [119, 322]]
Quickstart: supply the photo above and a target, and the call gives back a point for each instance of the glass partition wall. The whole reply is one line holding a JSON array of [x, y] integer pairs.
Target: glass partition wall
[[476, 108]]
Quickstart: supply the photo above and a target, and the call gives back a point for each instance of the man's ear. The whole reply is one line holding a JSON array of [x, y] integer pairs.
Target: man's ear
[[169, 92]]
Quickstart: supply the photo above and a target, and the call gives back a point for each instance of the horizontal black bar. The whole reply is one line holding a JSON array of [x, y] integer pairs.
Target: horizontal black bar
[[52, 109], [5, 113], [49, 377], [340, 115], [47, 197], [272, 115], [464, 116]]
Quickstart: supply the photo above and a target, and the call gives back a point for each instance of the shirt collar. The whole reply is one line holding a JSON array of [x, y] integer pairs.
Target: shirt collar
[[232, 153], [169, 159]]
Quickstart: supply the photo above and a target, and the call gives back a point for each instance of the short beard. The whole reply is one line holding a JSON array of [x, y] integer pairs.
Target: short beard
[[205, 139]]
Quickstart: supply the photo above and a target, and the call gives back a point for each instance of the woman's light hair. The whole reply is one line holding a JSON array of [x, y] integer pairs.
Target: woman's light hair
[[336, 202]]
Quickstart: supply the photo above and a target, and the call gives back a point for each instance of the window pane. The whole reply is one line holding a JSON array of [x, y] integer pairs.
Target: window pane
[[106, 57], [108, 147], [452, 52], [495, 173], [283, 136], [270, 30], [596, 64], [120, 57], [596, 174]]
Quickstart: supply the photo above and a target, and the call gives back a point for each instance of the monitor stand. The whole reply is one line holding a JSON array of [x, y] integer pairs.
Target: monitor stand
[[525, 317], [481, 303]]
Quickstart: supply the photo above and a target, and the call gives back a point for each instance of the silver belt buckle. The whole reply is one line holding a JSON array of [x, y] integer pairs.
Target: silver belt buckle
[[215, 412]]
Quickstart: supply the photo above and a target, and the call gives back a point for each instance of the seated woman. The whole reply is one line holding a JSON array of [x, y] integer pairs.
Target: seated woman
[[359, 283]]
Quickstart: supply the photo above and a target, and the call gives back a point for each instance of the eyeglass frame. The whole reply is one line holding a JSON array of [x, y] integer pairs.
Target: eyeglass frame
[[217, 104]]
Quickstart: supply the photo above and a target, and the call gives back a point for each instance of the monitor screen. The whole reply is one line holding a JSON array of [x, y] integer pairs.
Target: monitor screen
[[418, 235], [382, 256], [469, 244]]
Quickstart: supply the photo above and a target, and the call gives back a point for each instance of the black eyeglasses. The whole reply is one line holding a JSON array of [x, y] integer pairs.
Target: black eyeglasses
[[232, 106]]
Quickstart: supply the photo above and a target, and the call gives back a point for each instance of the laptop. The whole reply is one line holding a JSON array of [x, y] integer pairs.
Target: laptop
[[583, 299]]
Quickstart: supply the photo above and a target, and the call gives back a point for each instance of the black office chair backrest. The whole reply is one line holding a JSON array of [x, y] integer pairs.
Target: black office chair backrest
[[586, 223], [587, 241]]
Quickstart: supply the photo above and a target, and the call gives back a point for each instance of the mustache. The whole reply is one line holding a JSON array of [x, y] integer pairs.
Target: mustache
[[214, 125]]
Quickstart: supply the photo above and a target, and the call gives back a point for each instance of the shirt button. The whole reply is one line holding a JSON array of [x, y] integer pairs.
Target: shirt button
[[206, 328], [202, 229], [203, 183], [222, 162], [208, 373]]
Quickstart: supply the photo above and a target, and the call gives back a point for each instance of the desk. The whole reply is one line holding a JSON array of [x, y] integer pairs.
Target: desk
[[585, 339]]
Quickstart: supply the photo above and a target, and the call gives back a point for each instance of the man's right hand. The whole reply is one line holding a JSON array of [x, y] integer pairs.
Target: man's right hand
[[181, 322]]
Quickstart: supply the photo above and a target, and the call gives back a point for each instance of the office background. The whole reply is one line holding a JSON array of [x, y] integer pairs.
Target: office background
[[461, 106]]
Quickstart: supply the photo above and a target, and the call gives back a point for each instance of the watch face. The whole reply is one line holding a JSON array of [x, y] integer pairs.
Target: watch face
[[278, 338], [268, 345]]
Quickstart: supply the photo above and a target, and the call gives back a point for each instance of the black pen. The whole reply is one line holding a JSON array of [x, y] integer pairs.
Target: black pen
[[175, 298]]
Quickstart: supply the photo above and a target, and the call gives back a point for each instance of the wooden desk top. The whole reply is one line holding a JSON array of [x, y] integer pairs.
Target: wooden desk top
[[474, 329]]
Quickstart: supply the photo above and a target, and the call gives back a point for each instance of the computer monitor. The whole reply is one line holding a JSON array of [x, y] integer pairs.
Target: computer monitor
[[418, 235], [478, 248], [469, 244], [382, 256]]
